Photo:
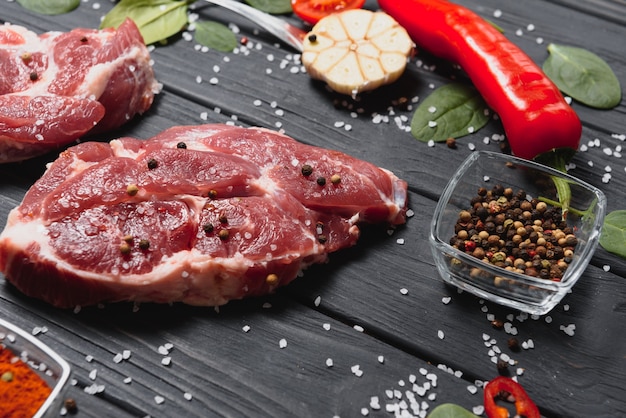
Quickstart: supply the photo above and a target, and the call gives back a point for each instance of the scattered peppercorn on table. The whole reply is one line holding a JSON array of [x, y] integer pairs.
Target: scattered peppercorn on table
[[374, 332]]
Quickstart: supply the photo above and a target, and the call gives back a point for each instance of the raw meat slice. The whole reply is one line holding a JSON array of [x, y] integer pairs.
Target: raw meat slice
[[57, 87], [197, 214]]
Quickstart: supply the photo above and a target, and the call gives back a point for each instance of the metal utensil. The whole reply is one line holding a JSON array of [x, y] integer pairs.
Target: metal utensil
[[289, 34]]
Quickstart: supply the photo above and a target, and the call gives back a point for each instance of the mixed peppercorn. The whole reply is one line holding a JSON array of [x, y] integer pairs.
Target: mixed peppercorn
[[505, 228]]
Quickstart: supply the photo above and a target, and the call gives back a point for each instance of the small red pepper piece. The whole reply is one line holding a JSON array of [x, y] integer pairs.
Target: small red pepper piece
[[523, 404], [535, 116]]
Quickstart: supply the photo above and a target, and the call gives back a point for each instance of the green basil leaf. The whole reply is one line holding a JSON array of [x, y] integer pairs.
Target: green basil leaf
[[451, 111], [50, 7], [157, 20], [583, 75], [449, 410], [216, 36], [613, 237], [276, 7]]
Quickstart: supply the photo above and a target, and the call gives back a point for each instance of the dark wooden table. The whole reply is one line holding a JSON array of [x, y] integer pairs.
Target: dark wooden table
[[375, 329]]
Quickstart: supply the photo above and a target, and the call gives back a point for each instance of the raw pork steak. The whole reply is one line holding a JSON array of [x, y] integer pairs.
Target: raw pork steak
[[201, 214], [56, 87]]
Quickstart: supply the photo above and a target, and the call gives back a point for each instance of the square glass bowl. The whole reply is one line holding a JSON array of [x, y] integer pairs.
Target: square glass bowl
[[529, 294], [53, 369]]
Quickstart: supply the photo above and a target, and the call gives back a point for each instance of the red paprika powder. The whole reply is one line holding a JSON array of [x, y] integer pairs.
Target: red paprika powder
[[22, 390]]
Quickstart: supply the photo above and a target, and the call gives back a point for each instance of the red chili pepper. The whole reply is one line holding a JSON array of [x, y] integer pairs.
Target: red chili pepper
[[523, 404], [535, 116]]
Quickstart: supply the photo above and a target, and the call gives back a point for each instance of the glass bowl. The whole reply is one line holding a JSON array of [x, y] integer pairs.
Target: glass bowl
[[513, 289], [53, 369]]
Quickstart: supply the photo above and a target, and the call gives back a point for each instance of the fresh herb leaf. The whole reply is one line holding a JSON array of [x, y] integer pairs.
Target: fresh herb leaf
[[613, 237], [583, 75], [276, 7], [50, 7], [451, 111], [216, 36], [449, 410], [157, 20]]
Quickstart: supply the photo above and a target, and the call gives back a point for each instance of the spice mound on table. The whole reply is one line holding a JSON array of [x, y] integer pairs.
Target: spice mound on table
[[197, 214], [22, 390], [505, 228]]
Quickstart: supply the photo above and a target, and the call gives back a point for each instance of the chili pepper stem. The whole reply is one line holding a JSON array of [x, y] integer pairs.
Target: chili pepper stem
[[558, 158]]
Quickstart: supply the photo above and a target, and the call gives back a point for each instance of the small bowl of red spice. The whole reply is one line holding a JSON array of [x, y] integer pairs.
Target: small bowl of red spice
[[32, 375], [500, 231]]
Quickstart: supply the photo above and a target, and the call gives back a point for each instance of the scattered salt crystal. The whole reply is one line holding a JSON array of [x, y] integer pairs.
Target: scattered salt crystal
[[365, 412], [282, 343], [539, 40], [606, 267], [118, 358], [257, 102], [440, 334], [446, 299], [93, 374], [213, 80], [486, 178], [317, 301], [127, 380], [188, 396], [519, 32], [404, 291], [166, 361], [159, 399], [432, 109], [548, 319], [356, 370], [497, 13], [329, 362], [246, 328], [478, 410], [88, 358], [381, 359], [400, 241], [471, 146], [431, 143], [569, 329], [472, 389], [432, 123], [198, 79], [326, 326], [358, 328]]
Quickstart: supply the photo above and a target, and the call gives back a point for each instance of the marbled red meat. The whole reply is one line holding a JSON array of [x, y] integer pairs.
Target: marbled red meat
[[197, 214], [57, 87]]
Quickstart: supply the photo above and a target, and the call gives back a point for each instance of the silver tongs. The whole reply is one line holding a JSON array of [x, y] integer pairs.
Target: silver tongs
[[289, 34]]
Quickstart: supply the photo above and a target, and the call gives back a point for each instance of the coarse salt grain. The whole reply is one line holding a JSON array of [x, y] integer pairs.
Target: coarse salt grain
[[329, 362], [282, 343], [159, 399], [440, 334], [166, 361], [188, 396], [326, 326], [246, 328], [381, 359], [404, 291]]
